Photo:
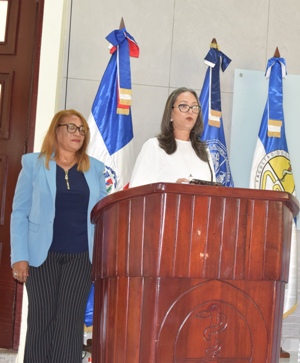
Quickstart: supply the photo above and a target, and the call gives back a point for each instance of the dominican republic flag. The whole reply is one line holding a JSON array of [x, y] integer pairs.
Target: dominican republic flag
[[210, 100], [110, 120], [271, 167]]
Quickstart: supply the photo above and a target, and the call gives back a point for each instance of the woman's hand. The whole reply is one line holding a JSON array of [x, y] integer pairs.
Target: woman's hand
[[183, 181], [20, 271]]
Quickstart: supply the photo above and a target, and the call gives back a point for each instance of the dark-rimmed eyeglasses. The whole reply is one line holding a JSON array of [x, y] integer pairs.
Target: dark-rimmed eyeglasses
[[186, 108], [71, 128]]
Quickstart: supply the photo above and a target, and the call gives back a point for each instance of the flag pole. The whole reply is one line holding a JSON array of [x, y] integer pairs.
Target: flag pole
[[275, 142], [210, 101], [122, 24], [276, 53], [214, 44], [283, 353], [110, 120]]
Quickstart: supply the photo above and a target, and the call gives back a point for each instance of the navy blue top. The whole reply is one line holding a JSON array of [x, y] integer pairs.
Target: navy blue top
[[71, 205]]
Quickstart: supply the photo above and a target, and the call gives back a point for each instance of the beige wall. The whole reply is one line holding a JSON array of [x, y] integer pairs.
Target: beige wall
[[55, 32], [174, 37]]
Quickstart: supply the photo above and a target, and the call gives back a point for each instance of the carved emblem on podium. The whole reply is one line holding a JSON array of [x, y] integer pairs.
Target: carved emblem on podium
[[203, 327], [212, 334]]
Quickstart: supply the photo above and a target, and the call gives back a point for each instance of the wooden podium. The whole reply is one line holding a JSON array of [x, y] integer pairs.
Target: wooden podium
[[188, 273]]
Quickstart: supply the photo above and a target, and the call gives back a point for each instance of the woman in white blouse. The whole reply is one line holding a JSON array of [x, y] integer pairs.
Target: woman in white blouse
[[177, 154]]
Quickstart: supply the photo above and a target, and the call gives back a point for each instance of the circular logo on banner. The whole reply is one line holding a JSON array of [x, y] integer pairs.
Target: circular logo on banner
[[274, 172], [219, 157]]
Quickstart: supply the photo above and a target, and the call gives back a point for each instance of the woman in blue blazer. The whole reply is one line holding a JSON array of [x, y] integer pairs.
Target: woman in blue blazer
[[52, 238]]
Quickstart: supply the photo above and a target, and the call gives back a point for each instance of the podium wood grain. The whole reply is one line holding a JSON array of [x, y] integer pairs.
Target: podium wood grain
[[187, 273]]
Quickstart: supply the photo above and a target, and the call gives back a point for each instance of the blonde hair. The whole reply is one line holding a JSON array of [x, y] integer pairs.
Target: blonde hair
[[49, 148]]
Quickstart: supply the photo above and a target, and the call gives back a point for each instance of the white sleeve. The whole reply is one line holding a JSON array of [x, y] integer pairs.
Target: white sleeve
[[145, 168]]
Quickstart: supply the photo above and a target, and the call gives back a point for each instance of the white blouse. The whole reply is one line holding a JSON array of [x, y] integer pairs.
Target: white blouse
[[154, 165]]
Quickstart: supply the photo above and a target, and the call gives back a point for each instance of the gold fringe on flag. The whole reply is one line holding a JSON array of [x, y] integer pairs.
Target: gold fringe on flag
[[274, 128], [123, 111], [214, 118], [125, 96]]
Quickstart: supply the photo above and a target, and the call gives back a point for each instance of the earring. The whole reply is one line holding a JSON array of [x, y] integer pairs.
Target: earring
[[171, 120]]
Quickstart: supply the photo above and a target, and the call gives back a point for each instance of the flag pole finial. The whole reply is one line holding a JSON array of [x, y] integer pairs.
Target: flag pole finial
[[214, 44], [122, 24], [276, 53]]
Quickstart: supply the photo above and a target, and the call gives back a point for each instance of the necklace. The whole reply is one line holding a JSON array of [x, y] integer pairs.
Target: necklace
[[67, 179], [66, 165]]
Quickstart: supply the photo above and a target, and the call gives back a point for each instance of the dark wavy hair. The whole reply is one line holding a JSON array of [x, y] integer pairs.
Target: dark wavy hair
[[166, 137], [49, 147]]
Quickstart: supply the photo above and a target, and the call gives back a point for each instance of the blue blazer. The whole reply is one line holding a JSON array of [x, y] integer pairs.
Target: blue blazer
[[34, 208]]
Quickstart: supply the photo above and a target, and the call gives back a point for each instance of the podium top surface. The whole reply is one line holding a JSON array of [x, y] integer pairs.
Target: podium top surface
[[194, 231], [189, 189]]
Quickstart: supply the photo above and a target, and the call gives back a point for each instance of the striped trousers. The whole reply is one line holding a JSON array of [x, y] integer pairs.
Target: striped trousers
[[57, 295]]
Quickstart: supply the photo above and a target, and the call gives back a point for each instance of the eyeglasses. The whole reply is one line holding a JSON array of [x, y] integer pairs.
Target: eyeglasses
[[186, 108], [71, 128]]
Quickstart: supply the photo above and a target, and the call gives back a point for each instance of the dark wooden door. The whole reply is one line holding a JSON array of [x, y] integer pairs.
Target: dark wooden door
[[19, 59]]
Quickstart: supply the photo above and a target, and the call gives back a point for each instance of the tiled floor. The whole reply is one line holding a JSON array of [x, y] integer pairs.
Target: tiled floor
[[293, 358], [7, 356], [86, 358]]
